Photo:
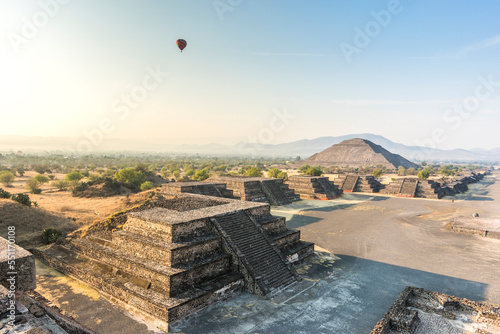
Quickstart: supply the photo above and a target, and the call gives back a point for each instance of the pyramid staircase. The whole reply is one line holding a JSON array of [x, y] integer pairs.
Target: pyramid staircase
[[262, 261]]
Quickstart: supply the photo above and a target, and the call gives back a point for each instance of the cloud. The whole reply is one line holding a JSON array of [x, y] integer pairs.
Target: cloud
[[484, 44]]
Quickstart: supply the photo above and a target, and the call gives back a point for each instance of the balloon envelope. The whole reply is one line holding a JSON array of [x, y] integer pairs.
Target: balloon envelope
[[181, 44]]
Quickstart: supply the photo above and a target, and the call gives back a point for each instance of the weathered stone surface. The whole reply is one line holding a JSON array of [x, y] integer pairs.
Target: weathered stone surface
[[314, 187], [168, 263], [17, 266], [403, 316]]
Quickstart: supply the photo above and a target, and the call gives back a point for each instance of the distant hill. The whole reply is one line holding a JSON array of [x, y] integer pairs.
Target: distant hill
[[357, 152], [303, 147]]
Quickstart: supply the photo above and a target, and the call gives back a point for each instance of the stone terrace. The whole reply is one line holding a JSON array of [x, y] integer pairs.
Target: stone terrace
[[259, 189], [314, 187], [200, 188], [358, 183], [166, 264]]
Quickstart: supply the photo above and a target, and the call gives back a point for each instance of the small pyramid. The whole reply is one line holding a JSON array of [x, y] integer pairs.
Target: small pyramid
[[357, 152]]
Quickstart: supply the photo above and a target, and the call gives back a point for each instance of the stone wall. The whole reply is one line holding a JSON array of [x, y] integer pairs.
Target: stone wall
[[16, 263]]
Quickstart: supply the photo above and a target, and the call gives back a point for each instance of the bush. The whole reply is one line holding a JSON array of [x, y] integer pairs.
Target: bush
[[273, 172], [4, 194], [423, 174], [33, 186], [283, 175], [81, 186], [50, 235], [74, 178], [22, 199], [51, 176], [147, 186], [254, 172], [314, 171], [7, 178], [377, 172], [132, 178], [61, 184], [41, 178]]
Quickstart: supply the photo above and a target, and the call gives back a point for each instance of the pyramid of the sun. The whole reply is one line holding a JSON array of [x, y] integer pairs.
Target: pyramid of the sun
[[357, 153]]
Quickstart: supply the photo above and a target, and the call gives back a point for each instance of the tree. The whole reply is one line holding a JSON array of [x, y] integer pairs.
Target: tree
[[423, 163], [7, 178], [377, 172], [273, 172], [411, 171], [132, 178], [33, 186], [313, 171], [202, 175], [147, 186], [254, 172], [61, 184], [39, 168], [304, 168], [20, 169], [41, 179], [283, 175], [74, 178], [401, 171], [423, 174]]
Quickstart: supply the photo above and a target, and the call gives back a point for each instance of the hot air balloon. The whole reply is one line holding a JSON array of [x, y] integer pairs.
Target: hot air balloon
[[181, 44]]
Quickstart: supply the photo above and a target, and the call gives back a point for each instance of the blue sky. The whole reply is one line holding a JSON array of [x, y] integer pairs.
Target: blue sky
[[415, 79]]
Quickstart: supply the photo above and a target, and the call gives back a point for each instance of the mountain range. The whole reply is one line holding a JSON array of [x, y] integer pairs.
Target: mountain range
[[303, 148]]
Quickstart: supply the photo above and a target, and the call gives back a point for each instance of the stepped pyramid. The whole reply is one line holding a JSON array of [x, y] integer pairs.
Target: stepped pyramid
[[168, 262], [357, 153]]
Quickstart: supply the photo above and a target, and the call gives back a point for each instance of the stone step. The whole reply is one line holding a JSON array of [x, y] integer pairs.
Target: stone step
[[263, 258], [166, 253], [137, 298], [167, 280]]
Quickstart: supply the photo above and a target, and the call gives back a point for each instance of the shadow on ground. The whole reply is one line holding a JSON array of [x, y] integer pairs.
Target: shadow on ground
[[341, 294]]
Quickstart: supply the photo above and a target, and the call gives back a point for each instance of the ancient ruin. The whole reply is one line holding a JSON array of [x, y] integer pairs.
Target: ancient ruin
[[424, 188], [418, 310], [169, 261], [314, 187], [357, 153], [23, 310], [200, 188], [358, 183], [259, 189]]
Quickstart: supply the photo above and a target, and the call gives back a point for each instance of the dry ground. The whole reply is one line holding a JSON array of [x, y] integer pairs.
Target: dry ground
[[59, 210]]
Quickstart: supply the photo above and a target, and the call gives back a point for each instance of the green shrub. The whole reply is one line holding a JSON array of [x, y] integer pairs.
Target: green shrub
[[4, 194], [7, 178], [273, 172], [50, 235], [314, 171], [254, 172], [33, 186], [147, 186], [23, 199], [61, 184]]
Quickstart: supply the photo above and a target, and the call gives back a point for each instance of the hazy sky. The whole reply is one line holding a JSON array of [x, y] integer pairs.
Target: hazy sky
[[416, 72]]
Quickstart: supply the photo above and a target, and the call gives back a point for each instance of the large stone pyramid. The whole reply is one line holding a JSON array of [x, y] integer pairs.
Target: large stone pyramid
[[357, 153]]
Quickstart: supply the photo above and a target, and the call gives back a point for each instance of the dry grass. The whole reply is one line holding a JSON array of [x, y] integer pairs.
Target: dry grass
[[59, 210]]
